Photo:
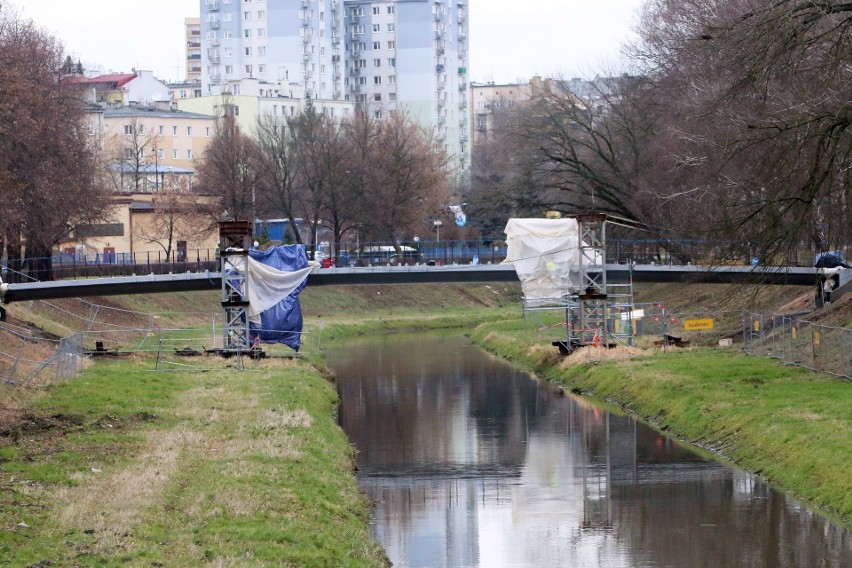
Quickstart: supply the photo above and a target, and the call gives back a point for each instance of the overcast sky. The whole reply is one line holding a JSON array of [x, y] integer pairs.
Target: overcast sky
[[509, 39]]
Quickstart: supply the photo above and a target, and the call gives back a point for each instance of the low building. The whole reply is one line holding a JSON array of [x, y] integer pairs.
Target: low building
[[138, 87]]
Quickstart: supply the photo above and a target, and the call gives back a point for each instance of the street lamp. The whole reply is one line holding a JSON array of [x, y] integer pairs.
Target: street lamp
[[437, 224]]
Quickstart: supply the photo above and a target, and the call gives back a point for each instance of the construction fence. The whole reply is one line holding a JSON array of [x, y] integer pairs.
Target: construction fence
[[822, 348]]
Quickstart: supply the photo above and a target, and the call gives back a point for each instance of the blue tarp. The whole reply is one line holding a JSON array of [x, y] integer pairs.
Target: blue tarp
[[282, 323]]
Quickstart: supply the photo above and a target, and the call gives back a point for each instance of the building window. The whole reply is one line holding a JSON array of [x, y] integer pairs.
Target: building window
[[248, 70], [377, 62], [377, 45], [362, 80], [162, 130], [128, 129], [248, 51], [391, 27], [261, 50], [377, 97], [261, 68], [229, 52], [391, 45], [378, 114], [247, 32], [189, 131], [261, 14], [161, 153], [229, 69], [261, 32], [376, 10], [247, 16], [392, 62], [189, 154], [175, 154], [377, 80], [228, 34], [174, 130], [207, 131], [392, 80]]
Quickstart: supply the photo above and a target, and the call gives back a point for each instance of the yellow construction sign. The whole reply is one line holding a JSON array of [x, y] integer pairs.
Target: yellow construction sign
[[697, 324]]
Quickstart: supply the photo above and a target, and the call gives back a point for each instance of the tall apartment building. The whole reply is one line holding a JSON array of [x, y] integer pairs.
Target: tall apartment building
[[193, 49], [383, 55]]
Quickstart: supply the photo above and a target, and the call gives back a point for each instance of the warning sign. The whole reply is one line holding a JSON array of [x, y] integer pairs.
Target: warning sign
[[697, 324]]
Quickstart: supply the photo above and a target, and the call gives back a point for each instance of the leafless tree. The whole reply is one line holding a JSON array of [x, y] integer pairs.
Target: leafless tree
[[47, 163], [130, 156], [279, 162], [231, 171], [177, 215]]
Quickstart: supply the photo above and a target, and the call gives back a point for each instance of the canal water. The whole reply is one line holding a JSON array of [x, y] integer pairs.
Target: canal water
[[471, 463]]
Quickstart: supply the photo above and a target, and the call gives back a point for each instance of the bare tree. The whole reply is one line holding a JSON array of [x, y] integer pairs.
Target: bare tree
[[131, 156], [177, 215], [231, 171], [47, 163], [279, 162]]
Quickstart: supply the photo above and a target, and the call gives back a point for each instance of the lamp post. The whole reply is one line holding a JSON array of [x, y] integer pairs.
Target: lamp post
[[437, 224]]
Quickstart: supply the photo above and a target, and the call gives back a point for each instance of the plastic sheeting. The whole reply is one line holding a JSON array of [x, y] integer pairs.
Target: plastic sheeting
[[275, 278], [543, 251]]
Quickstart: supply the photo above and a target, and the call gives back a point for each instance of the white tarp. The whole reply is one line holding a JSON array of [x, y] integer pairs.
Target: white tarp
[[267, 286], [543, 251]]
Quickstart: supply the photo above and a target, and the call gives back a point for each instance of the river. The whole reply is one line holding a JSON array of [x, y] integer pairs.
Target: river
[[471, 463]]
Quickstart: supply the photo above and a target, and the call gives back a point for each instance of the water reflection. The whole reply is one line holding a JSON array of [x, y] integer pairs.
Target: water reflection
[[473, 464]]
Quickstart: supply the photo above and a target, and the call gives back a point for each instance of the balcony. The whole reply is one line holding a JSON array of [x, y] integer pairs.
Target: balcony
[[355, 71], [212, 5], [214, 24], [214, 42], [214, 58]]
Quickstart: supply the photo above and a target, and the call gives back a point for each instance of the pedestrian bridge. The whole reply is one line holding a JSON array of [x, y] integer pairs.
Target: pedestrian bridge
[[418, 274]]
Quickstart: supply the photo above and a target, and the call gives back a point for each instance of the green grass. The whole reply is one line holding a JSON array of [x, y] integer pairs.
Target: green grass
[[127, 467], [789, 425]]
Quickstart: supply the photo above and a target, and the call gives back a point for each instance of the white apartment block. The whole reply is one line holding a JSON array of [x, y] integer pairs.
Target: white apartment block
[[382, 55]]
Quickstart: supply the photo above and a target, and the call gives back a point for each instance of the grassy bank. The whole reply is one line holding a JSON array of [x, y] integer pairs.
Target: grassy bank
[[789, 425], [127, 467]]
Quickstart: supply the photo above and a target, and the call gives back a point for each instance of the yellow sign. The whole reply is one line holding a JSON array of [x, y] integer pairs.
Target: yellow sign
[[697, 324]]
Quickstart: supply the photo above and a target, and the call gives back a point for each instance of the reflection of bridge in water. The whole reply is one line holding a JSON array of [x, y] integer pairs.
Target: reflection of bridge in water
[[419, 274]]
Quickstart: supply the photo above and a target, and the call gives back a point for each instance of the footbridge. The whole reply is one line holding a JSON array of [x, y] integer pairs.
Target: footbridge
[[388, 275]]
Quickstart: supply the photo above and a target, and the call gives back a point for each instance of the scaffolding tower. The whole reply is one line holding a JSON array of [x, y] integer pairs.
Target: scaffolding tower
[[234, 244], [597, 313]]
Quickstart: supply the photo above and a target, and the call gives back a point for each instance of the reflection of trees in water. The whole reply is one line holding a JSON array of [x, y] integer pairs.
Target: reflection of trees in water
[[455, 445]]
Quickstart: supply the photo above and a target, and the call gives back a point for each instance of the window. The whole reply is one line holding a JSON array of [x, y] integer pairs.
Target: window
[[161, 153], [247, 16], [247, 32], [128, 129], [261, 68], [261, 32], [261, 14], [378, 114], [189, 131], [189, 154], [207, 131], [175, 154], [377, 45], [229, 52], [377, 27], [261, 50], [174, 130], [377, 80], [128, 153], [392, 80], [376, 10], [362, 63], [377, 62], [377, 97], [391, 27], [391, 9], [229, 34], [392, 96], [392, 62], [248, 51], [162, 130], [248, 69], [229, 69], [391, 45], [362, 80]]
